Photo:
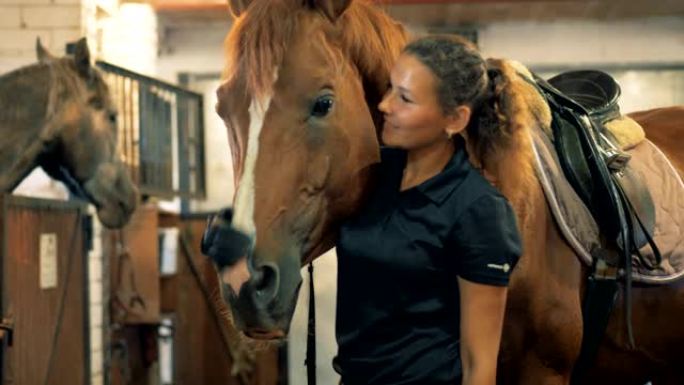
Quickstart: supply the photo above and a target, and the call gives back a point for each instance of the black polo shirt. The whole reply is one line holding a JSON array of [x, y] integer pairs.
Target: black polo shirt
[[397, 295]]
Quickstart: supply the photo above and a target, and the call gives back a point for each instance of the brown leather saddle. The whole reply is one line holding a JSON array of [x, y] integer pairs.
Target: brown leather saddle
[[581, 103]]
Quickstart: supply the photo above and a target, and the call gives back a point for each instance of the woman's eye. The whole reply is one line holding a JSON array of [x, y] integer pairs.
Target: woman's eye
[[322, 106], [405, 99]]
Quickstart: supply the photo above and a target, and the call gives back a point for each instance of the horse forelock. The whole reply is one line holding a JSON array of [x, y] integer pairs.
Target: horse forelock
[[257, 43], [259, 39]]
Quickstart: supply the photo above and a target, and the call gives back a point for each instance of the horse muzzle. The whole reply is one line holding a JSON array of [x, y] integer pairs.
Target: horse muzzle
[[261, 295]]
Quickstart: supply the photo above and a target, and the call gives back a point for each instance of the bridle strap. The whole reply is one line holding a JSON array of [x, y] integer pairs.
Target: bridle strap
[[310, 361]]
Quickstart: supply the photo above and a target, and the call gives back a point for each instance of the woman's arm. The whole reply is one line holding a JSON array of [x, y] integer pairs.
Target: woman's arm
[[482, 314]]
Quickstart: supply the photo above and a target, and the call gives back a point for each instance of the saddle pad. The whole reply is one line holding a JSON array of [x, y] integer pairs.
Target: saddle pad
[[579, 228], [626, 132]]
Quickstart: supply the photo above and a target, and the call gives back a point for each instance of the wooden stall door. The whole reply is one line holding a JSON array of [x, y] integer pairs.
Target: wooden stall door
[[44, 292]]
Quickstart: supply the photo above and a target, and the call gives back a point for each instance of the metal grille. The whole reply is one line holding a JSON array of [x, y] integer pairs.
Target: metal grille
[[161, 133]]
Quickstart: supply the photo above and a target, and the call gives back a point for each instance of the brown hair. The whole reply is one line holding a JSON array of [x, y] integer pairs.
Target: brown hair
[[463, 78]]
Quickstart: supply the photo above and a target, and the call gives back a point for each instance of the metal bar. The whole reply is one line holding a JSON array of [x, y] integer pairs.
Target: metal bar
[[150, 110], [201, 175], [142, 140], [145, 79]]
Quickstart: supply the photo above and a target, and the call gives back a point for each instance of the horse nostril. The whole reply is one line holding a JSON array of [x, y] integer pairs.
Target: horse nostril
[[266, 282]]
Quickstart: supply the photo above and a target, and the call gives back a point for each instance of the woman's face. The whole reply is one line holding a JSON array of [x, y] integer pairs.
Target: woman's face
[[413, 116]]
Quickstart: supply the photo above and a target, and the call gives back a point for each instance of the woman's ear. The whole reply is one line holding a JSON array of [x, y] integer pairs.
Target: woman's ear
[[458, 120]]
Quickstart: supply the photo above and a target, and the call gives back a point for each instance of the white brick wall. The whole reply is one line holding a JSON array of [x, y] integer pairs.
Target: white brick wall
[[10, 16], [648, 40], [56, 22], [129, 38], [25, 2], [52, 16], [15, 42]]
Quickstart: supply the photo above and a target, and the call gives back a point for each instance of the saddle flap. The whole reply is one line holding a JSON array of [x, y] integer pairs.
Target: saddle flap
[[642, 208]]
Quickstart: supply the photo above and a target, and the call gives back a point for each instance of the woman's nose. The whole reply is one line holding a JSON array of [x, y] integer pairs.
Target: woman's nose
[[384, 105]]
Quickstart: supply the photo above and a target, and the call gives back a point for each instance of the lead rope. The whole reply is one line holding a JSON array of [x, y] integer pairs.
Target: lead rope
[[310, 361]]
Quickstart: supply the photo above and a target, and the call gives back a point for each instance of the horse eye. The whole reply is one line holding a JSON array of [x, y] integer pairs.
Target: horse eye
[[112, 117], [96, 103], [322, 106]]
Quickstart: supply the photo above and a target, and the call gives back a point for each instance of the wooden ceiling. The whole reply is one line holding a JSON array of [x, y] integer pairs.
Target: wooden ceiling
[[437, 13]]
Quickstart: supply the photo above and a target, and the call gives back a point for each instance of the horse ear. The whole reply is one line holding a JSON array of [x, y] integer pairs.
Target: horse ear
[[82, 57], [333, 9], [42, 53], [238, 7]]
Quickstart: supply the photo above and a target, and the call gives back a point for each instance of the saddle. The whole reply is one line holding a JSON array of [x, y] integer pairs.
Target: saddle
[[581, 102]]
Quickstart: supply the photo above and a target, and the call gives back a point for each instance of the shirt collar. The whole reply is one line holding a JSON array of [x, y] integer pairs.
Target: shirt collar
[[439, 187]]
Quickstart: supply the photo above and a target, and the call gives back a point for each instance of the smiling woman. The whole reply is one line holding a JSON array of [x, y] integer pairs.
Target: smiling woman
[[424, 264]]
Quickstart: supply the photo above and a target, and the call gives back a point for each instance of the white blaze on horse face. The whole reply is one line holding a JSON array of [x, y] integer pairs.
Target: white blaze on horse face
[[243, 219]]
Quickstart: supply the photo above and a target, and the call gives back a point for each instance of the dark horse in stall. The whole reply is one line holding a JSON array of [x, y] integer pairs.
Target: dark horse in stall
[[299, 102], [58, 114]]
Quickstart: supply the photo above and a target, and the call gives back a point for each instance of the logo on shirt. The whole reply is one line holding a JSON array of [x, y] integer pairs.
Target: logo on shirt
[[505, 267]]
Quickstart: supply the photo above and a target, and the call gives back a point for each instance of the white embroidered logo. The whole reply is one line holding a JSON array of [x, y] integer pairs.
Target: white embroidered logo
[[505, 267]]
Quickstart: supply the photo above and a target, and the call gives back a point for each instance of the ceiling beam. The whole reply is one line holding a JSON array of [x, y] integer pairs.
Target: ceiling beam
[[216, 5]]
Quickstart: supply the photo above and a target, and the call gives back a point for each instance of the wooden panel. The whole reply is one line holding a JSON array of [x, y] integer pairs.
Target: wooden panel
[[50, 325], [135, 268]]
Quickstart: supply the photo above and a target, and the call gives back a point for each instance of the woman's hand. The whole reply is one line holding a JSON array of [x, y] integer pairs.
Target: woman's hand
[[482, 314]]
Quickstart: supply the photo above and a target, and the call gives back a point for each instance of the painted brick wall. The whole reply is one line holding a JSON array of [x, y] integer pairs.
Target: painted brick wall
[[56, 22]]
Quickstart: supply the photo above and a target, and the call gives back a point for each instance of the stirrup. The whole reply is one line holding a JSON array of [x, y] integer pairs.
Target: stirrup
[[615, 160]]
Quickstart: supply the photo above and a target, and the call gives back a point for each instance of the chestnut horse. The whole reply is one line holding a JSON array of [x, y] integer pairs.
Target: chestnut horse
[[300, 103], [58, 114]]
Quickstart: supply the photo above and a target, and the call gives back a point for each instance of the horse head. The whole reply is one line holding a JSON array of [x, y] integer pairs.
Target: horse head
[[80, 136], [299, 101]]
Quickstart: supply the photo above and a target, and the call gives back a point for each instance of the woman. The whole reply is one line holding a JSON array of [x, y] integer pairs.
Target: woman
[[423, 269]]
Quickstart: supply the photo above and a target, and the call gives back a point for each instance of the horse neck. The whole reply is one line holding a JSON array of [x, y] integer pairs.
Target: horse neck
[[25, 100]]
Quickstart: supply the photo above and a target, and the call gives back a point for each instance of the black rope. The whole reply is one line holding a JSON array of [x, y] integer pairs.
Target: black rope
[[310, 361]]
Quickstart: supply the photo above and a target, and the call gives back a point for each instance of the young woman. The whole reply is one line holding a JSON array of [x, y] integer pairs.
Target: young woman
[[423, 269]]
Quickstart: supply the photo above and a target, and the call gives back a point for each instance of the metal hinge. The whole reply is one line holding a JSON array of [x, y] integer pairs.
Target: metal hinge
[[7, 328]]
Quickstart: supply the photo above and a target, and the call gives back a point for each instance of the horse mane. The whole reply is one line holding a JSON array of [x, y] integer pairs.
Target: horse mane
[[508, 161], [259, 39], [16, 111]]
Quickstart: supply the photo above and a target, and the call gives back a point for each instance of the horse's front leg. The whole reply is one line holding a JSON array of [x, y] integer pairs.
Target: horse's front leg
[[543, 326], [541, 348]]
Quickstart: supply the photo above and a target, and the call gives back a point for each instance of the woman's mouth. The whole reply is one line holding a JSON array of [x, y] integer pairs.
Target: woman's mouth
[[389, 125]]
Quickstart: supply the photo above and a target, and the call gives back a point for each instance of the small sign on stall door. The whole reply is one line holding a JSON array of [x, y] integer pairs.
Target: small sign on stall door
[[48, 260]]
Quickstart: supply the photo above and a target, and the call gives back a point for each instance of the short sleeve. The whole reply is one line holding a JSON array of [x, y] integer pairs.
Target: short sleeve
[[485, 242]]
